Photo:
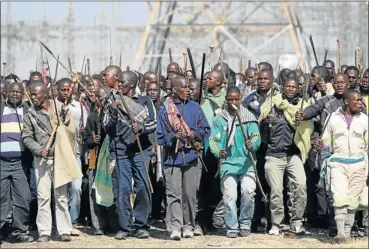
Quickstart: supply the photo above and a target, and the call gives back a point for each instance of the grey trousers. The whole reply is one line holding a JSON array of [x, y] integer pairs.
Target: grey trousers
[[274, 171], [15, 194], [181, 190], [44, 179]]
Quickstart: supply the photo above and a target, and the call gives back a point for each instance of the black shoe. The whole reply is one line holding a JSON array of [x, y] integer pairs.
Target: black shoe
[[332, 232], [65, 238], [22, 238], [44, 238], [121, 235], [142, 234], [366, 231], [99, 232], [232, 235], [245, 232]]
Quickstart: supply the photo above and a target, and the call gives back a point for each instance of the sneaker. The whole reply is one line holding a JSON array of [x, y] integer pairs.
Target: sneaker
[[232, 235], [65, 238], [44, 238], [142, 234], [197, 231], [299, 230], [274, 230], [121, 235], [175, 235], [245, 232], [187, 233], [75, 231]]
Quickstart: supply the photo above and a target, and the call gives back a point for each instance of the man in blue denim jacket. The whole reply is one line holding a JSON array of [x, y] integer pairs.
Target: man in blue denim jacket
[[181, 130]]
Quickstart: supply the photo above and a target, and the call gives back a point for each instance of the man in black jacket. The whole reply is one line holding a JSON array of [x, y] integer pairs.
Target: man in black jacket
[[283, 155]]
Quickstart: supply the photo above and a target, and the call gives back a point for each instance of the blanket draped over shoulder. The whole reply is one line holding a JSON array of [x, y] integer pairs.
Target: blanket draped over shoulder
[[66, 168], [138, 112], [175, 121], [304, 129]]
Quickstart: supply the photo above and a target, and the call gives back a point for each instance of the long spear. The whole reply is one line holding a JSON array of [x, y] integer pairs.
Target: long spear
[[61, 64]]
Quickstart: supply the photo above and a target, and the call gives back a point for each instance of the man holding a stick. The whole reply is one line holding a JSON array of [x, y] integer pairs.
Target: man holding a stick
[[182, 128], [79, 115], [128, 127], [227, 141], [288, 145], [39, 139]]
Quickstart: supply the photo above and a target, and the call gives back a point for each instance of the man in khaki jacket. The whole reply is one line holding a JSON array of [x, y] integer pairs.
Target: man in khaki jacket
[[40, 123], [346, 137]]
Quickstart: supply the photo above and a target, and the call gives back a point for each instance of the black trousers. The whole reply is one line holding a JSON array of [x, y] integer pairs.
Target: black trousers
[[15, 194]]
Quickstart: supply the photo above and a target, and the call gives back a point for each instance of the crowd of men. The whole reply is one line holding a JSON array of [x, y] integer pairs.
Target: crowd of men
[[240, 152]]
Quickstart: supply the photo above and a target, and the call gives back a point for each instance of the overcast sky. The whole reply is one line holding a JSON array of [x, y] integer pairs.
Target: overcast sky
[[132, 13]]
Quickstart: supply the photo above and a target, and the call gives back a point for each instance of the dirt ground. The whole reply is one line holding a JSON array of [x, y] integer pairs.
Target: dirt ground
[[160, 239]]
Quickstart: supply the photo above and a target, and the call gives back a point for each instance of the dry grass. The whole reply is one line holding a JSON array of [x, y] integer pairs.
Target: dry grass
[[160, 239]]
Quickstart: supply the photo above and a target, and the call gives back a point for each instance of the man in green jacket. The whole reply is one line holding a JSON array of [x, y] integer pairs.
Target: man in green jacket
[[228, 143]]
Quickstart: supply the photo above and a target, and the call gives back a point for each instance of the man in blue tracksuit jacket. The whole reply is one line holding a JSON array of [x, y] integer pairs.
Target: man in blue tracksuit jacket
[[181, 128]]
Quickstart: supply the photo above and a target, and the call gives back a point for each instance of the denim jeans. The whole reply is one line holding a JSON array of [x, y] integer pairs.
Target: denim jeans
[[75, 196], [125, 170], [229, 189]]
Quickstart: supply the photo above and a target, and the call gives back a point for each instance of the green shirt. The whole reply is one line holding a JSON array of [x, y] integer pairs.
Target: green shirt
[[238, 161], [218, 98]]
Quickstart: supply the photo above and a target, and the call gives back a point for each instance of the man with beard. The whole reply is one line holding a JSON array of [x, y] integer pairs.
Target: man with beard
[[287, 149], [14, 158], [181, 126], [125, 152], [35, 137], [228, 142], [346, 137]]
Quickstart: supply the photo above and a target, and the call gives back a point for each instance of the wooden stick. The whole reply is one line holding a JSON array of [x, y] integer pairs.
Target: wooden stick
[[49, 142], [339, 57], [184, 53]]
